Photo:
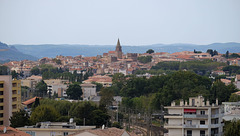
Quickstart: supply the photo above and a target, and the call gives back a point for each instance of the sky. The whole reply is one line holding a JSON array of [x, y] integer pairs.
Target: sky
[[134, 22]]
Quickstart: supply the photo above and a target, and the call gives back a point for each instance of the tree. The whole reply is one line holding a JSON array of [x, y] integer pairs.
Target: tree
[[210, 51], [35, 71], [4, 70], [36, 103], [99, 118], [14, 74], [44, 113], [234, 98], [227, 54], [74, 91], [150, 51], [232, 128], [106, 96], [145, 59], [19, 119], [41, 88], [215, 52]]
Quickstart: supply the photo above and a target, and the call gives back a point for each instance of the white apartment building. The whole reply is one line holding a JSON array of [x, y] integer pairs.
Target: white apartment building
[[194, 118]]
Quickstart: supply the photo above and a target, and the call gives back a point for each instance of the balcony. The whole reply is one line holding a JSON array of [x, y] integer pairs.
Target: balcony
[[173, 125], [216, 125], [217, 115], [195, 116], [195, 126], [173, 116]]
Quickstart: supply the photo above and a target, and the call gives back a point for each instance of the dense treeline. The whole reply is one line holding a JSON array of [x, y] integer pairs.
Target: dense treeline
[[199, 67], [161, 90], [145, 59], [50, 72], [61, 111]]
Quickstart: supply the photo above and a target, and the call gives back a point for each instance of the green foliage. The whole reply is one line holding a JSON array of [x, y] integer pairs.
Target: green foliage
[[199, 67], [44, 113], [57, 61], [150, 51], [41, 89], [232, 128], [99, 117], [14, 74], [36, 103], [145, 59], [227, 54], [159, 91], [221, 91], [234, 98], [232, 69], [234, 55], [74, 91], [117, 125], [4, 70], [19, 119], [106, 96], [35, 71]]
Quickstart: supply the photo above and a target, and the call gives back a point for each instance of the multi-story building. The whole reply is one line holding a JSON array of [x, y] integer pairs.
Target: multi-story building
[[10, 98], [194, 118]]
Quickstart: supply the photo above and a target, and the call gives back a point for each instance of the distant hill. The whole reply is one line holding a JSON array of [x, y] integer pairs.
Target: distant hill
[[8, 53], [52, 50]]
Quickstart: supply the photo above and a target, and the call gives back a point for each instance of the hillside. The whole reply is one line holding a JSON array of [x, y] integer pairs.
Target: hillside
[[11, 53], [51, 50]]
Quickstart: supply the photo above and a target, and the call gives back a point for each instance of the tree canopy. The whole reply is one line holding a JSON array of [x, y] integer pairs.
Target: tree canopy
[[19, 119], [150, 51], [74, 91]]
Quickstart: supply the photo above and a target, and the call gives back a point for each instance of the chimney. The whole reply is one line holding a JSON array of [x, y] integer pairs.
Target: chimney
[[181, 103], [208, 103], [217, 101], [186, 104], [173, 103]]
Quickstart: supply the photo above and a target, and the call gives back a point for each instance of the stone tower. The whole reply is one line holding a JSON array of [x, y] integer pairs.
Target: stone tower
[[118, 50]]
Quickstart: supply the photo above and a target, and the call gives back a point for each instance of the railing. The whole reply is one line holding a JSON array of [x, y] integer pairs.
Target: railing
[[190, 126], [216, 115], [195, 116]]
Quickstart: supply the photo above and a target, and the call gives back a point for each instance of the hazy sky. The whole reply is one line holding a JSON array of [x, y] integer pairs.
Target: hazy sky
[[135, 22]]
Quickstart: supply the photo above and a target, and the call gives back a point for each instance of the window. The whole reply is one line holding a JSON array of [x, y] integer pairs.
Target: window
[[189, 132], [202, 112], [1, 86], [202, 122], [1, 115], [1, 107], [31, 133], [189, 122], [65, 133], [202, 133], [1, 100], [1, 92], [1, 122]]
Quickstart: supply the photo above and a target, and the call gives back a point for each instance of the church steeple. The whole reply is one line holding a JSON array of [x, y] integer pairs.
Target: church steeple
[[118, 50]]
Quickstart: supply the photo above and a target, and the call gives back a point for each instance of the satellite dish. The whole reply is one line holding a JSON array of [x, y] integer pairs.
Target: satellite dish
[[4, 130], [103, 126]]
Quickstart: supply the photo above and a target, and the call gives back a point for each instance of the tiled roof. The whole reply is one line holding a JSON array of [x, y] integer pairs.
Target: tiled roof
[[12, 132], [32, 100], [105, 132]]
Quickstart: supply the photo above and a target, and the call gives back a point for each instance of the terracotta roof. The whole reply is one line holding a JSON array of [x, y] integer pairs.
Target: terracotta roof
[[32, 100], [87, 84], [111, 52], [12, 132]]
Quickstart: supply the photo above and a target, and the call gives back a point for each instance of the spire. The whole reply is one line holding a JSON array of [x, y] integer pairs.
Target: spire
[[118, 43]]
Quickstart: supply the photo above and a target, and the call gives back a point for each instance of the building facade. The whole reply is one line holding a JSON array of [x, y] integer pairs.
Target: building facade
[[10, 98], [194, 118]]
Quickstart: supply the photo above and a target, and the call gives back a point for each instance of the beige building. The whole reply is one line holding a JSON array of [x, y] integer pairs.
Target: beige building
[[54, 129], [194, 118], [89, 91], [10, 98]]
